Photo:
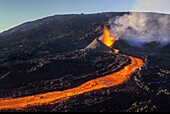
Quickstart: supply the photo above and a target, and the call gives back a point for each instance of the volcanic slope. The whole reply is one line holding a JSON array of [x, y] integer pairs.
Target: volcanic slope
[[49, 98], [39, 49], [28, 51], [110, 80]]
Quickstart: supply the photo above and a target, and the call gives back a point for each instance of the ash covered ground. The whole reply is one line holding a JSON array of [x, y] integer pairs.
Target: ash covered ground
[[45, 55]]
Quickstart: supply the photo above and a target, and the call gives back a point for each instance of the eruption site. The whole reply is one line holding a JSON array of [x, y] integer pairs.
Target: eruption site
[[140, 28], [107, 81]]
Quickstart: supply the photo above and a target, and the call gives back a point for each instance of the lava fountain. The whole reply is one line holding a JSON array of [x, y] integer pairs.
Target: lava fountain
[[111, 80], [108, 40]]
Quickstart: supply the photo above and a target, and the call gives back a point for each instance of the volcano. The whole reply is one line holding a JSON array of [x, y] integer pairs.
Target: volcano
[[68, 63], [97, 45]]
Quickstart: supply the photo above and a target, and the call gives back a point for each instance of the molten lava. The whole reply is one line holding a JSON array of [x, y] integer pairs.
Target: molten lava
[[53, 97], [116, 51], [108, 40]]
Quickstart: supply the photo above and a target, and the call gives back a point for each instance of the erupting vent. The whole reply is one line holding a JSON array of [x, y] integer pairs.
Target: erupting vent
[[110, 80], [104, 43], [108, 40]]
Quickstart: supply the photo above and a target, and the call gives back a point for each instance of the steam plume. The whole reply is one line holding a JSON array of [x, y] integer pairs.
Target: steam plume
[[161, 6], [142, 27]]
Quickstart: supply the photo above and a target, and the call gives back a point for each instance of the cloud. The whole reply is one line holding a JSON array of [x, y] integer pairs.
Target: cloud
[[142, 27], [162, 6]]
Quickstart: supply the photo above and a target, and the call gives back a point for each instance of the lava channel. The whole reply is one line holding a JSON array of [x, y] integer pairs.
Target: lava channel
[[54, 97], [92, 85]]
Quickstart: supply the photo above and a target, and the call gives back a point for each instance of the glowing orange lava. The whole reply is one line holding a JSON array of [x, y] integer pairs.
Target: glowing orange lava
[[92, 85], [53, 97], [116, 51], [107, 38]]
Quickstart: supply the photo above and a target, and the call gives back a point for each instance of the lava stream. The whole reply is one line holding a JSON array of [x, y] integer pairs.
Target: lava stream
[[92, 85], [53, 97]]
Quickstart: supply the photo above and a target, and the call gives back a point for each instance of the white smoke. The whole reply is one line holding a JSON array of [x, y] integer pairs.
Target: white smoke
[[162, 6], [142, 27]]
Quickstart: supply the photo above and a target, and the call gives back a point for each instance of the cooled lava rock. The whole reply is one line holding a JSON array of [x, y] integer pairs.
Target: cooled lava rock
[[46, 55]]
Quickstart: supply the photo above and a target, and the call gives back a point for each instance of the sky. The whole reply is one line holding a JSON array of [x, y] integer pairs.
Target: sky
[[15, 12]]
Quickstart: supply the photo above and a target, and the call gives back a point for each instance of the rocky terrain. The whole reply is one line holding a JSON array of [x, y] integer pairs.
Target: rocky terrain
[[46, 55]]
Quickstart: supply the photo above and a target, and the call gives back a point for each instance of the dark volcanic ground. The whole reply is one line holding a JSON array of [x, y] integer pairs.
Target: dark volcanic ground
[[45, 55]]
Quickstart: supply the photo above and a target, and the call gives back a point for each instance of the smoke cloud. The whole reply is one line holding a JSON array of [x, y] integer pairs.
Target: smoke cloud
[[162, 6], [142, 27]]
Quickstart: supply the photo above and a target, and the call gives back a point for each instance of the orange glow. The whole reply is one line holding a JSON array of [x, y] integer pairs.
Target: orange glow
[[107, 38], [116, 51], [54, 97], [92, 85]]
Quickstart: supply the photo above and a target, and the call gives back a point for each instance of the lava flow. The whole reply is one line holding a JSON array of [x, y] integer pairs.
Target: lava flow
[[92, 85]]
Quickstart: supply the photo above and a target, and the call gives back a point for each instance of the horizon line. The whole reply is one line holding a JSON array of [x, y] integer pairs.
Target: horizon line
[[76, 13]]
